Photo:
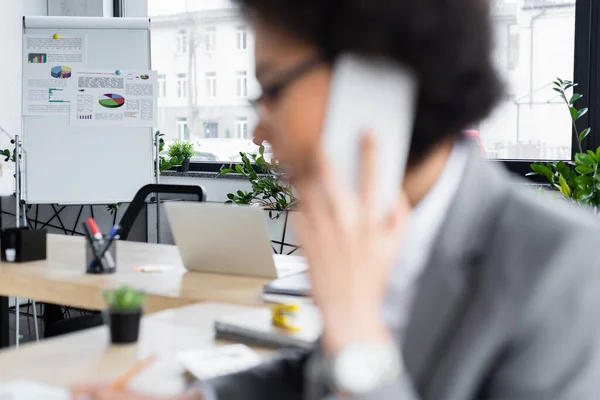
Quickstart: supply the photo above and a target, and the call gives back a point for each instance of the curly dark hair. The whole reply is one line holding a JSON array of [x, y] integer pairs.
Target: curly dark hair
[[447, 43]]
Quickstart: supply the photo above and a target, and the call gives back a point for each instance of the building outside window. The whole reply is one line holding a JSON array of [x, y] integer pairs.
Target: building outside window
[[242, 127], [534, 44], [211, 130], [183, 132], [182, 85], [210, 39], [182, 41], [242, 38], [162, 85], [242, 84], [211, 85]]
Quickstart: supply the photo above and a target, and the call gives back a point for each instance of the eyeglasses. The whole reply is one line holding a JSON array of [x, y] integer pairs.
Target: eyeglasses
[[272, 92]]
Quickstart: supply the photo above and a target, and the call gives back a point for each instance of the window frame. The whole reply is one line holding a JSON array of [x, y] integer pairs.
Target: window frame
[[182, 122], [241, 82], [586, 62], [241, 127], [241, 37], [210, 84], [209, 36], [182, 41], [162, 84], [182, 81]]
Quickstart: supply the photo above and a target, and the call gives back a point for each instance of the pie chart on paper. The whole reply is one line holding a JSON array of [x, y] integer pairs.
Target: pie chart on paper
[[111, 100]]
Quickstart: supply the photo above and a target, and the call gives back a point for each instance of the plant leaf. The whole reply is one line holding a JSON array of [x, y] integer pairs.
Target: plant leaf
[[580, 113], [582, 158], [574, 98], [541, 169], [226, 171], [584, 134], [564, 187], [573, 112], [584, 169]]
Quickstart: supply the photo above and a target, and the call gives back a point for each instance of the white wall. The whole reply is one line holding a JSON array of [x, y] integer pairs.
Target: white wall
[[11, 29]]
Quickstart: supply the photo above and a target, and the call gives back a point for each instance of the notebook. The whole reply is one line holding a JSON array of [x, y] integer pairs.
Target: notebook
[[293, 285], [255, 328], [219, 361]]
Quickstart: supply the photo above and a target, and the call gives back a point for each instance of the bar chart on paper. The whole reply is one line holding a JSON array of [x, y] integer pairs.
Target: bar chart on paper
[[58, 95], [37, 58]]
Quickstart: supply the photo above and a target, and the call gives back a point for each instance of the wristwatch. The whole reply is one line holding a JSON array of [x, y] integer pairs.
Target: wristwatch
[[363, 367]]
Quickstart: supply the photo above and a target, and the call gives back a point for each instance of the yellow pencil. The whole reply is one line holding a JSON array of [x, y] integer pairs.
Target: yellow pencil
[[122, 381]]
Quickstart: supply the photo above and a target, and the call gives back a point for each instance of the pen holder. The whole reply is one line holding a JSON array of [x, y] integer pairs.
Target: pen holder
[[106, 265], [23, 245]]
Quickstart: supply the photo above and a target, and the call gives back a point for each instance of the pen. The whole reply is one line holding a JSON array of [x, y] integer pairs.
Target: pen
[[114, 234], [93, 243], [98, 236], [122, 381]]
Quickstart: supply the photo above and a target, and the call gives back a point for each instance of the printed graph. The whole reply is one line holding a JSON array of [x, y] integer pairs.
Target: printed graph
[[57, 95], [61, 72], [112, 100], [37, 58]]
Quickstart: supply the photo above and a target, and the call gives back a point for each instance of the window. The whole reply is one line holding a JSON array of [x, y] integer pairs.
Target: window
[[534, 44], [242, 84], [182, 42], [182, 85], [210, 80], [210, 40], [211, 130], [211, 85], [242, 38], [183, 132], [242, 127], [162, 85]]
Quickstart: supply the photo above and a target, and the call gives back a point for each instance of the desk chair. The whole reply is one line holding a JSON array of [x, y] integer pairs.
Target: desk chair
[[128, 225], [165, 193]]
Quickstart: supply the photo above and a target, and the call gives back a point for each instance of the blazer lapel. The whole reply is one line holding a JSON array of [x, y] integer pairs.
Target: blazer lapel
[[443, 289]]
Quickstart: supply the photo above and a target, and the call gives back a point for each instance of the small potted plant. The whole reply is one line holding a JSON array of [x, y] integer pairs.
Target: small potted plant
[[124, 314], [180, 152]]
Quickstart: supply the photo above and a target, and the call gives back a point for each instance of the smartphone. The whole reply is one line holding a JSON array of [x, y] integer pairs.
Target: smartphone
[[376, 95]]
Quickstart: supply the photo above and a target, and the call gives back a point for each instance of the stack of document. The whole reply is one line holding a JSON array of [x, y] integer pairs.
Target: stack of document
[[28, 390], [214, 362]]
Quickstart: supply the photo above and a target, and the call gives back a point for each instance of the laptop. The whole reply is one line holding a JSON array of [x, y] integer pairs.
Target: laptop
[[227, 239]]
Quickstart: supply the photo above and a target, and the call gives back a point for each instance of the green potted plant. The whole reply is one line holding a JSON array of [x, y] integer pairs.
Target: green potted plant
[[268, 190], [579, 180], [124, 311], [181, 151]]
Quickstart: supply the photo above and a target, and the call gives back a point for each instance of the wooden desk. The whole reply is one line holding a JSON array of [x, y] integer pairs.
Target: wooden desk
[[88, 357], [61, 279]]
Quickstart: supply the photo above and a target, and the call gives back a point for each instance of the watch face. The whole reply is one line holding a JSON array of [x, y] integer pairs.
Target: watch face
[[363, 367]]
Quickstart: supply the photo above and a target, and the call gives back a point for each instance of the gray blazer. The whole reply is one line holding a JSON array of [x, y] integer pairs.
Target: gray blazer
[[507, 308]]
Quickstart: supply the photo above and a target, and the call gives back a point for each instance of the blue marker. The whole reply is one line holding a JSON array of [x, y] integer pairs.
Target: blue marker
[[118, 72]]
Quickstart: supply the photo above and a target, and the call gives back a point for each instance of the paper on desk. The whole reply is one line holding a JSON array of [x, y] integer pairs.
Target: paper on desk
[[213, 362], [29, 390], [152, 268], [289, 265]]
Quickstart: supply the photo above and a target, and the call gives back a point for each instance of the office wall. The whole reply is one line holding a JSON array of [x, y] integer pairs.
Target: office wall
[[11, 23]]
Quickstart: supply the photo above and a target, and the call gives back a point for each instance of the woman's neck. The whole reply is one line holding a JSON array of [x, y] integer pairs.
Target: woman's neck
[[421, 178]]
